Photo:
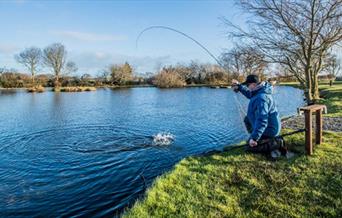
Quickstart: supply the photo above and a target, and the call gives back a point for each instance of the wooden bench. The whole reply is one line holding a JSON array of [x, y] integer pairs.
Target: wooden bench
[[308, 110]]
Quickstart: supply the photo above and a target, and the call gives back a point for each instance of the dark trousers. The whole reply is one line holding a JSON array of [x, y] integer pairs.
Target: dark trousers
[[266, 144]]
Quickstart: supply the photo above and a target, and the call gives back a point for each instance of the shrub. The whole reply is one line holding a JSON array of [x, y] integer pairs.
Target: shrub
[[37, 88], [168, 79]]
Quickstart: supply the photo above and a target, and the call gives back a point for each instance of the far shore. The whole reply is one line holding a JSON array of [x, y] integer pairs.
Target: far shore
[[293, 84], [128, 86]]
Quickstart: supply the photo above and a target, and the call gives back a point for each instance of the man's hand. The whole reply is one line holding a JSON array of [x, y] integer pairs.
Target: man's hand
[[252, 143], [235, 84]]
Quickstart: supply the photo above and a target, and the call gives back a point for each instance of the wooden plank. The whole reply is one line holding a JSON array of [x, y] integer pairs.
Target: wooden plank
[[308, 132], [319, 127], [312, 107]]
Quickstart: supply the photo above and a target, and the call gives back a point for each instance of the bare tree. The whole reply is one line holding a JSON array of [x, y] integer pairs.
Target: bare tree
[[70, 67], [333, 67], [296, 33], [2, 70], [197, 72], [30, 58], [243, 61], [55, 57]]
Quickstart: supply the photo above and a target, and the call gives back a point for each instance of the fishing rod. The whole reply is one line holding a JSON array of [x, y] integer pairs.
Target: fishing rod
[[239, 106], [182, 33]]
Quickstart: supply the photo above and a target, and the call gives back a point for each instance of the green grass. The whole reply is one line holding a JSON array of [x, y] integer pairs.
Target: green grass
[[331, 96], [236, 184]]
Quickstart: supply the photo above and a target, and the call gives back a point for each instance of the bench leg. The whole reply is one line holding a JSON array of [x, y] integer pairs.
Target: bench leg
[[319, 127], [308, 132]]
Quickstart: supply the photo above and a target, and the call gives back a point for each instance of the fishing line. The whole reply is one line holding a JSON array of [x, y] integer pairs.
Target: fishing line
[[192, 39], [242, 112]]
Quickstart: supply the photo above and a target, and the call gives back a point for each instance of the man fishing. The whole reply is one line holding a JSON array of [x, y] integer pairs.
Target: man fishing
[[262, 121]]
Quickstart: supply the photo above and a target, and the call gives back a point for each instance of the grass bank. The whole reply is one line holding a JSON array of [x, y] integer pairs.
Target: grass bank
[[331, 96], [237, 184]]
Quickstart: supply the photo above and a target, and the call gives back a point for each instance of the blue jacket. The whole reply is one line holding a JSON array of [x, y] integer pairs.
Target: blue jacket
[[262, 112]]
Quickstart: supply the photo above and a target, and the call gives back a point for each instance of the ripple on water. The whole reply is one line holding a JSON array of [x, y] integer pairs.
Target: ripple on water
[[97, 170], [89, 161]]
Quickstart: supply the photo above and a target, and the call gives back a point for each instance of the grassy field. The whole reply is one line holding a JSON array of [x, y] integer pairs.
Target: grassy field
[[237, 184], [332, 98]]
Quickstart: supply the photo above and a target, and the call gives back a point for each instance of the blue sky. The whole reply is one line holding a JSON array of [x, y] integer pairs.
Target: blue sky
[[99, 33]]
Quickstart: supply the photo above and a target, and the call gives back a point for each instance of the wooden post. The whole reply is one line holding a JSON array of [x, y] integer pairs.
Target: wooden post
[[319, 127], [308, 125], [308, 132]]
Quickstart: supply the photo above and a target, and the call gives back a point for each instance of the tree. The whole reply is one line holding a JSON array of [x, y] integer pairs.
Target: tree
[[184, 72], [30, 58], [55, 57], [121, 74], [243, 61], [295, 33], [168, 78], [333, 67], [127, 71], [86, 79], [104, 76]]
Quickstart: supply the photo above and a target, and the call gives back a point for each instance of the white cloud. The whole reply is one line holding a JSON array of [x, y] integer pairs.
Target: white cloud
[[84, 36]]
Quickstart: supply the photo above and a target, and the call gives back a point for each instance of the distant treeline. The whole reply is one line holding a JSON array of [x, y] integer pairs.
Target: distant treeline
[[121, 75], [236, 63]]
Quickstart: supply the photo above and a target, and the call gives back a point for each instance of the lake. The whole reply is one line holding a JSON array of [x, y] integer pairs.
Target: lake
[[94, 153]]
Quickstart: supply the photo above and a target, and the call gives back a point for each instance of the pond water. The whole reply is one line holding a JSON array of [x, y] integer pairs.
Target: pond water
[[94, 153]]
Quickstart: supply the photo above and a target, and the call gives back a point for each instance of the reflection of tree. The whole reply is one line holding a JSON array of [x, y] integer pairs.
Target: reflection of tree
[[57, 112]]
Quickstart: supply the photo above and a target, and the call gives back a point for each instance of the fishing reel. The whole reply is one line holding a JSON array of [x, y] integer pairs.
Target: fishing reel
[[235, 87]]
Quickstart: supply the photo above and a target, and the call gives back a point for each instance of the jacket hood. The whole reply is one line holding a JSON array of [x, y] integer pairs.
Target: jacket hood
[[263, 87]]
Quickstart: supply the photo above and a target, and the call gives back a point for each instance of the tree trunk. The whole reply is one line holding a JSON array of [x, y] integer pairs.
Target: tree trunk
[[32, 77], [57, 85], [315, 90], [308, 88]]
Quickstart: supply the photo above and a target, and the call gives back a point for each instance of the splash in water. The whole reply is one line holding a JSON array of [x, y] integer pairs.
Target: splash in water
[[163, 138]]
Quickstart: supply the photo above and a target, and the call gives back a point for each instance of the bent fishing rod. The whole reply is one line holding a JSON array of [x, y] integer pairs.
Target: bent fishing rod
[[183, 34], [239, 106]]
